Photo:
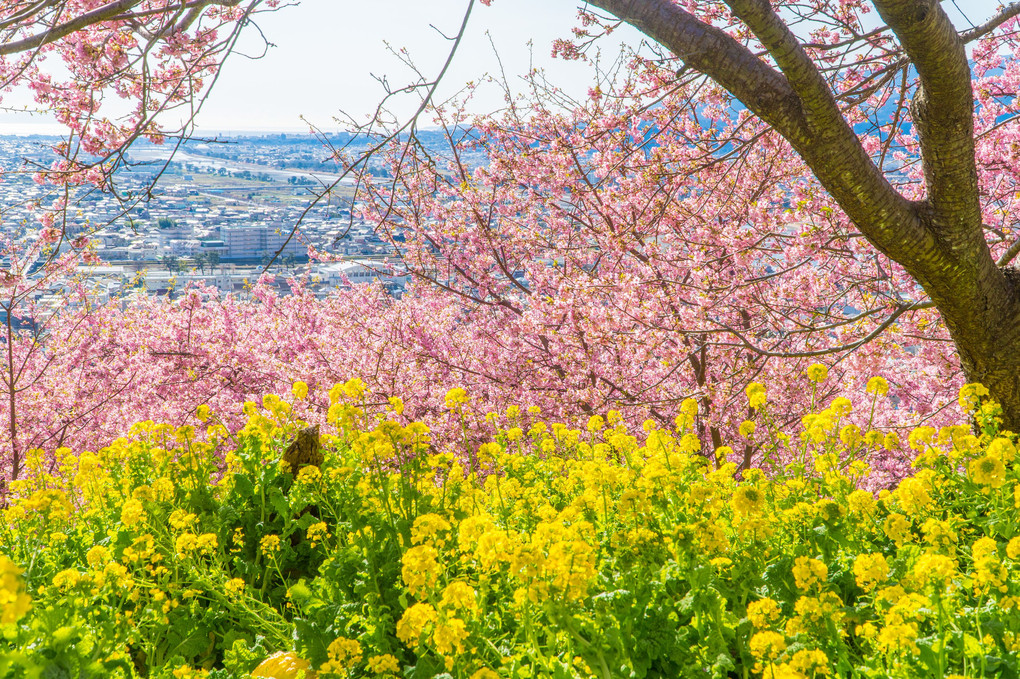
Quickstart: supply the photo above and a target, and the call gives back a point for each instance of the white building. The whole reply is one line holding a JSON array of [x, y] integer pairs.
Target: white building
[[357, 271], [249, 242]]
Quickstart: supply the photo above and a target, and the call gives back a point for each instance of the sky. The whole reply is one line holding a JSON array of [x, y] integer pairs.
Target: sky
[[326, 52]]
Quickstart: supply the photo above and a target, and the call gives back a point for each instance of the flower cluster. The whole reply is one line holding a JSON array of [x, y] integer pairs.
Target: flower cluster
[[543, 551]]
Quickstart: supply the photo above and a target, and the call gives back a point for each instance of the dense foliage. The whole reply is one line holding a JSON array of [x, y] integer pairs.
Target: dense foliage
[[652, 241], [100, 369], [545, 551]]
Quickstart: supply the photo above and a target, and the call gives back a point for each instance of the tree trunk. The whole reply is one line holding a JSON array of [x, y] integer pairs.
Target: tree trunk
[[988, 342]]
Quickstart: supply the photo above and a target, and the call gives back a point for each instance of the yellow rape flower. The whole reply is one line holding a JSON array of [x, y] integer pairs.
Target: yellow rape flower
[[270, 545], [988, 470], [428, 527], [344, 654], [184, 434], [912, 495], [766, 647], [14, 601], [747, 499], [816, 372], [920, 437], [826, 463], [420, 568], [300, 390], [970, 396], [485, 673], [808, 572], [818, 611], [850, 435], [842, 406], [449, 636], [1003, 449], [869, 570], [97, 556], [66, 579], [182, 520], [459, 596], [383, 664], [810, 663], [455, 398], [397, 405], [234, 586], [414, 622], [988, 569], [207, 543], [163, 489], [877, 385], [936, 568], [896, 528], [689, 443], [891, 441], [354, 389], [316, 533], [756, 396], [939, 534], [185, 544], [763, 613], [688, 411], [132, 513], [861, 502], [308, 475], [898, 638]]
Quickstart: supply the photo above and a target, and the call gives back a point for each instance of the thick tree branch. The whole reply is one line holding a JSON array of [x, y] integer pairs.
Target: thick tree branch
[[68, 27], [943, 111], [118, 10], [1010, 254], [798, 105], [711, 51], [802, 73]]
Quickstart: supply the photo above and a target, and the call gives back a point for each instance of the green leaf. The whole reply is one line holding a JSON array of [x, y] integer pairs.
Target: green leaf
[[243, 487]]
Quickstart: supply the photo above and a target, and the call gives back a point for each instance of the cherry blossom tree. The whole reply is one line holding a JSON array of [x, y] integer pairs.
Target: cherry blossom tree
[[763, 186], [109, 72], [846, 99]]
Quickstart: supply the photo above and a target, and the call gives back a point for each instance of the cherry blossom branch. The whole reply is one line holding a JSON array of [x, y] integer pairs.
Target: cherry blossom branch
[[411, 123], [899, 311], [1005, 14], [1010, 254]]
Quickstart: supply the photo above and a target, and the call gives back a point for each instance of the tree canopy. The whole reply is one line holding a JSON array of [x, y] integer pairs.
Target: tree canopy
[[771, 184]]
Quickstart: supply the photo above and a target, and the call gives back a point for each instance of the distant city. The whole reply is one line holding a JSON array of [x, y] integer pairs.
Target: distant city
[[219, 213]]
